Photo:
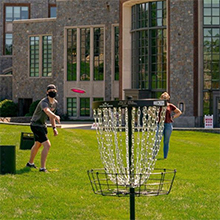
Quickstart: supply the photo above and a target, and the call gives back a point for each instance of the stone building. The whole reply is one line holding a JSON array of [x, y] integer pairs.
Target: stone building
[[113, 49], [11, 11]]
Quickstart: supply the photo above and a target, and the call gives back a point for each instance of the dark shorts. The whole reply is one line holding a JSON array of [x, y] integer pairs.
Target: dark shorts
[[40, 133]]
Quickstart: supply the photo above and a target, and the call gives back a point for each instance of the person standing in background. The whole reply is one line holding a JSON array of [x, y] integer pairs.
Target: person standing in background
[[168, 123]]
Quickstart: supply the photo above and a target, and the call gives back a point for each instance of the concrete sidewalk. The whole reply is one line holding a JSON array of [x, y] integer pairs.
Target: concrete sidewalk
[[88, 125], [75, 125], [63, 124]]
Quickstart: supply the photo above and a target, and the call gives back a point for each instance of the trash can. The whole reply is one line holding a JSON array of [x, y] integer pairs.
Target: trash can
[[7, 159], [27, 141]]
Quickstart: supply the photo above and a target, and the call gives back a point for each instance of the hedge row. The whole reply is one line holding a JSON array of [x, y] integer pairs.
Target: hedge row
[[10, 109]]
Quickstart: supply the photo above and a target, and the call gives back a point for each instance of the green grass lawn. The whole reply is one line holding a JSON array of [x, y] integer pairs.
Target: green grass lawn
[[65, 192]]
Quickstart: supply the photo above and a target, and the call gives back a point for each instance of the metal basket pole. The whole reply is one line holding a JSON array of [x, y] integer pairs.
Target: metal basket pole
[[120, 179], [132, 190]]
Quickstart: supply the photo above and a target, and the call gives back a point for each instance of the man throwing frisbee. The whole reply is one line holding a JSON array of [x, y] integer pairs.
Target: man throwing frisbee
[[45, 108]]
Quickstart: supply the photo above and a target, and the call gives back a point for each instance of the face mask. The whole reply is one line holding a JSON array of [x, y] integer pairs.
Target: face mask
[[52, 94]]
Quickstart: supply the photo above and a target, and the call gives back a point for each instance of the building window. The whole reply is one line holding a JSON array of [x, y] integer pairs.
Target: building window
[[52, 11], [12, 12], [34, 56], [149, 49], [84, 106], [88, 66], [98, 99], [116, 52], [84, 54], [40, 57], [98, 54], [211, 53], [8, 44], [71, 54], [71, 107], [211, 12], [47, 56]]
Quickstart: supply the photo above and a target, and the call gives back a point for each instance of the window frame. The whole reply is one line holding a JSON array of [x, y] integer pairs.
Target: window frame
[[40, 60], [84, 105], [84, 65], [4, 22], [71, 76], [98, 99], [72, 107], [49, 8], [115, 52], [48, 48], [100, 77], [144, 25], [208, 90], [36, 74]]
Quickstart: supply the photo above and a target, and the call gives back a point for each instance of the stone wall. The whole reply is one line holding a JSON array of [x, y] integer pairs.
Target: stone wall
[[38, 9], [5, 87], [181, 58], [23, 85], [76, 13], [69, 13], [182, 51], [5, 80], [5, 63], [83, 12]]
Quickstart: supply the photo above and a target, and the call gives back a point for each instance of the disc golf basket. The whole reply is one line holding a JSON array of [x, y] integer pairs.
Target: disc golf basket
[[129, 133]]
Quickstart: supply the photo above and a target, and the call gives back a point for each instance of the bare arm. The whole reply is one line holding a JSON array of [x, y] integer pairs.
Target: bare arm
[[52, 116], [53, 119], [177, 113], [53, 123]]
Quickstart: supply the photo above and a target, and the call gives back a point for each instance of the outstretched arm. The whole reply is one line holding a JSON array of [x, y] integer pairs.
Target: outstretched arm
[[51, 115]]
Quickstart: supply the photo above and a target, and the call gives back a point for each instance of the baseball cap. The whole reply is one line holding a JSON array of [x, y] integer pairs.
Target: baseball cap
[[51, 86]]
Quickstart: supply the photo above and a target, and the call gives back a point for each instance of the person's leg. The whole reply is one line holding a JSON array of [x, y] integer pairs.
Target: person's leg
[[40, 136], [44, 153], [168, 127], [34, 151]]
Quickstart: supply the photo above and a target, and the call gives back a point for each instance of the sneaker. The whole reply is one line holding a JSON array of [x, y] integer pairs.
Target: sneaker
[[31, 165], [43, 170]]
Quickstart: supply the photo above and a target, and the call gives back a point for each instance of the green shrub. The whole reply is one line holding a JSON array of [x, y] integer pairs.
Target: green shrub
[[32, 108], [8, 108]]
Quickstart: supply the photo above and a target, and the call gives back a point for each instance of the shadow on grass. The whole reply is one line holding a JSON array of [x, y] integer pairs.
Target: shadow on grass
[[23, 170], [161, 158]]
